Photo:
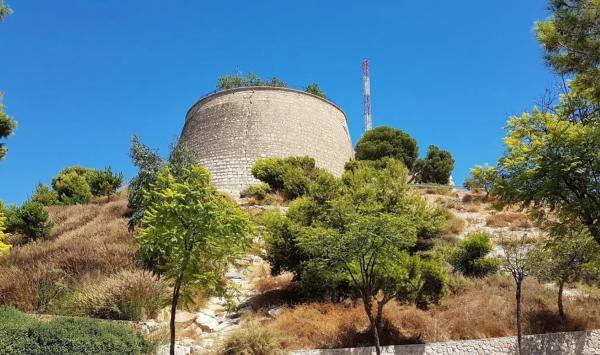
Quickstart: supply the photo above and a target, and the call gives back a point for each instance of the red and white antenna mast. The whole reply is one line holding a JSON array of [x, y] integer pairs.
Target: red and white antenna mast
[[366, 94]]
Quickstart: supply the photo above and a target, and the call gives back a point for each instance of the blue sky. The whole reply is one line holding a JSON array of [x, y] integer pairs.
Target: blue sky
[[81, 77]]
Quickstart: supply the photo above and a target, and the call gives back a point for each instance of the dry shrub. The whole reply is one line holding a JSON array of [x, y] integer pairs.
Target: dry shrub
[[439, 190], [126, 295], [450, 203], [322, 325], [273, 282], [513, 220], [277, 297], [253, 339], [455, 224], [476, 308], [87, 240], [472, 208], [474, 198]]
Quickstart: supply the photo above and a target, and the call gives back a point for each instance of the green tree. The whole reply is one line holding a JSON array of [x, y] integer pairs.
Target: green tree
[[149, 163], [31, 220], [469, 256], [435, 168], [196, 230], [390, 142], [45, 195], [517, 264], [7, 124], [552, 165], [564, 259], [105, 182], [313, 88], [4, 248], [72, 186], [482, 177], [570, 39], [358, 232], [5, 10]]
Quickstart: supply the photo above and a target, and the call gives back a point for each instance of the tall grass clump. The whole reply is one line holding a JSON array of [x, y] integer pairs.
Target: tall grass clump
[[128, 295], [253, 339]]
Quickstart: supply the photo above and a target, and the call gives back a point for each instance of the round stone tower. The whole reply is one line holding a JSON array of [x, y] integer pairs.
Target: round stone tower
[[230, 130]]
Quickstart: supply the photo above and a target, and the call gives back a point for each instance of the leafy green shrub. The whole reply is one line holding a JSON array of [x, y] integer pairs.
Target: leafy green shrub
[[270, 171], [253, 340], [21, 334], [4, 248], [435, 168], [434, 283], [45, 195], [258, 191], [313, 88], [129, 295], [295, 182], [30, 219], [251, 79], [105, 182], [290, 175], [283, 253], [469, 255], [72, 187], [381, 142]]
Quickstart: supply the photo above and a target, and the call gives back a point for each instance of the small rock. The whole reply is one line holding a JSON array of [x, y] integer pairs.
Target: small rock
[[206, 322], [274, 312], [184, 317]]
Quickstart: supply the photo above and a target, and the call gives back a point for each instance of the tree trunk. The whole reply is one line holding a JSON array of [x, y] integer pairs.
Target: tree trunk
[[561, 311], [176, 289], [374, 329], [518, 299]]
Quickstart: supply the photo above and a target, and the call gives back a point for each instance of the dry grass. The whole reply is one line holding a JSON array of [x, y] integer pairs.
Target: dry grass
[[253, 339], [86, 240], [475, 198], [439, 190], [455, 224], [128, 295], [513, 220], [476, 309], [263, 281]]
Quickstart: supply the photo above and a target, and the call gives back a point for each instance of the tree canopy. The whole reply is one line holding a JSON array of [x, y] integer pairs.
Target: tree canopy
[[435, 168], [356, 235], [195, 231], [7, 124], [382, 142]]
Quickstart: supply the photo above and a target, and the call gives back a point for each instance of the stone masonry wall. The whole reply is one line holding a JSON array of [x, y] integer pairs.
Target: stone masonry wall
[[231, 129], [568, 343]]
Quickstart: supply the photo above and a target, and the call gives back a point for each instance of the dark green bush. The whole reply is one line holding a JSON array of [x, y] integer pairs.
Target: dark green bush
[[258, 191], [251, 79], [283, 253], [45, 195], [434, 279], [73, 186], [270, 171], [469, 255], [390, 142], [105, 182], [21, 334], [435, 168], [290, 175], [314, 89], [30, 220]]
